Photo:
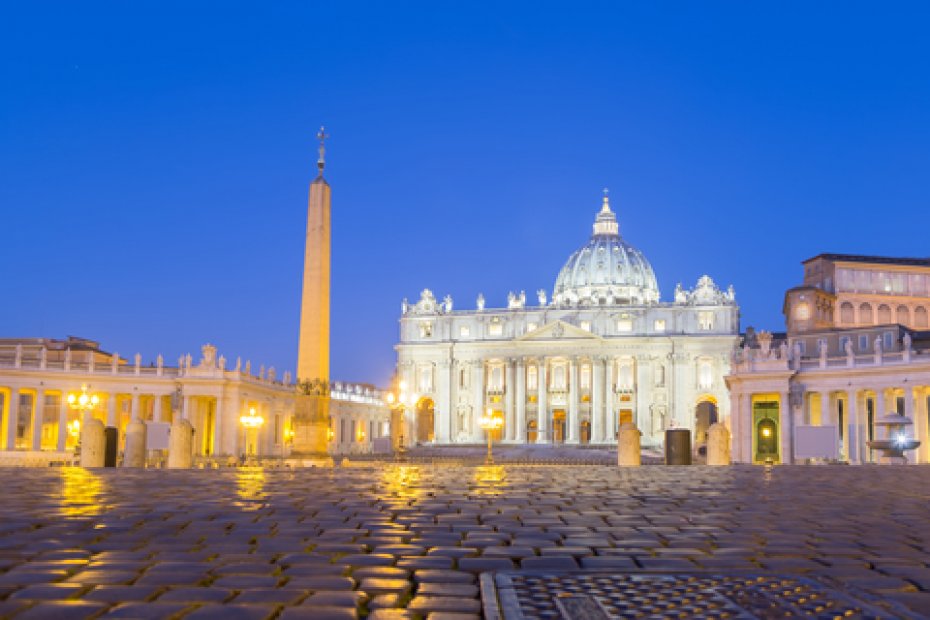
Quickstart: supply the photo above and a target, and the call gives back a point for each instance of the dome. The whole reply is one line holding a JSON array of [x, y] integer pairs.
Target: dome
[[606, 270]]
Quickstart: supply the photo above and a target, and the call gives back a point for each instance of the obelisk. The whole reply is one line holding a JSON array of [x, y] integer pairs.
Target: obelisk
[[311, 412]]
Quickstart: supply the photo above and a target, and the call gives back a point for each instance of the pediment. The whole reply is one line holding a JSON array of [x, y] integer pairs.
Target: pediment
[[558, 330]]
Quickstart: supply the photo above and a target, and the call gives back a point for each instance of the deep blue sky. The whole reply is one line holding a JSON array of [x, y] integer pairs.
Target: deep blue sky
[[155, 157]]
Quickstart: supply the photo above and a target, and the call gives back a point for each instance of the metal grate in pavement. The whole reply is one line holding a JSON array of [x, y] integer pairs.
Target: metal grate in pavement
[[515, 595]]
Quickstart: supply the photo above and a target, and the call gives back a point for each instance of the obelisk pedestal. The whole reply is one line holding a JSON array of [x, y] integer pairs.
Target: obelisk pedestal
[[311, 429]]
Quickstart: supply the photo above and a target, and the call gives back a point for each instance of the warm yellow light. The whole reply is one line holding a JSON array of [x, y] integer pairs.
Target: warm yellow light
[[490, 421], [403, 386], [766, 432], [83, 401], [390, 398], [71, 399], [414, 399], [74, 428], [252, 420], [360, 435], [330, 434]]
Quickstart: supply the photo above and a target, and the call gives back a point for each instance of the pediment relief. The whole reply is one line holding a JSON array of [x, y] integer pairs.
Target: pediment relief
[[558, 330]]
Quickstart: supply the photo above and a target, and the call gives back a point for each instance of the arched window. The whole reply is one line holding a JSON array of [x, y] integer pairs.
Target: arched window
[[705, 374], [865, 314], [920, 317], [625, 376], [532, 376], [884, 315], [902, 315], [847, 313], [558, 377]]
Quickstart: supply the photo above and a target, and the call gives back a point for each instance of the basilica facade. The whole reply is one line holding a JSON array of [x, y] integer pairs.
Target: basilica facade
[[601, 351]]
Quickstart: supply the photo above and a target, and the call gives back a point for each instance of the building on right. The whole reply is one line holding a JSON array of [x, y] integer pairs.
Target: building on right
[[856, 349]]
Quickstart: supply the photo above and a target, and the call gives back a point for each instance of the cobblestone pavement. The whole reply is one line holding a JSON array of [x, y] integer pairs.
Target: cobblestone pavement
[[396, 541]]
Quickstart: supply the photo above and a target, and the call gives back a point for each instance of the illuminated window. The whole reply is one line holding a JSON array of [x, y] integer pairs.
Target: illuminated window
[[426, 379], [705, 320], [586, 325], [705, 375], [464, 331], [585, 378], [532, 376], [624, 325], [426, 329], [496, 328], [558, 377], [531, 327], [625, 376], [659, 325]]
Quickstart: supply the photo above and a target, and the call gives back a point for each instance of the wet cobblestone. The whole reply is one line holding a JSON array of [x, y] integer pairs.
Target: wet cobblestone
[[409, 541]]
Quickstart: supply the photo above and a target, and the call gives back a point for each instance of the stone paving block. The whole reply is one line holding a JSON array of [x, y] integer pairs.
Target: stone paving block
[[26, 577], [337, 598], [63, 610], [281, 596], [385, 601], [246, 581], [425, 561], [196, 595], [390, 614], [374, 586], [49, 591], [484, 564], [232, 612], [426, 604], [104, 577], [169, 578], [121, 594], [381, 572], [443, 576], [448, 589], [322, 582], [449, 615], [560, 562]]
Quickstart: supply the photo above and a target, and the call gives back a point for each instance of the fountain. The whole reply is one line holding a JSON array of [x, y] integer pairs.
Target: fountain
[[896, 440]]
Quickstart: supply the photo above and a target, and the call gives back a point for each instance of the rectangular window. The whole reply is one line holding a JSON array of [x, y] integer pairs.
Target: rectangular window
[[888, 340], [464, 331], [659, 325], [844, 340], [532, 378], [624, 325], [426, 329], [496, 328], [531, 327], [899, 405], [585, 378], [821, 344], [586, 325], [864, 342], [802, 347]]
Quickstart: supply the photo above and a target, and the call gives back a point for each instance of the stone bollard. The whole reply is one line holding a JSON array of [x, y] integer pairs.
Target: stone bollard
[[93, 443], [718, 445], [180, 445], [134, 454], [628, 446]]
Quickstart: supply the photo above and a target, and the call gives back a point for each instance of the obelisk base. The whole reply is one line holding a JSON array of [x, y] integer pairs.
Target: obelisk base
[[311, 430]]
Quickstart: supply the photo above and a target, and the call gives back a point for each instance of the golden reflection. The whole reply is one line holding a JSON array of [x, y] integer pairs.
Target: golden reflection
[[81, 491], [401, 482], [488, 479], [250, 486]]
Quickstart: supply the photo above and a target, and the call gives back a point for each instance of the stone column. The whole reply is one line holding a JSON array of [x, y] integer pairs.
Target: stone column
[[597, 399], [826, 410], [542, 407], [610, 403], [156, 408], [786, 427], [134, 413], [520, 422], [909, 409], [62, 422], [38, 412], [479, 400], [12, 419], [443, 413], [881, 403], [920, 426], [743, 429], [509, 398], [186, 407], [572, 434], [111, 409], [853, 452]]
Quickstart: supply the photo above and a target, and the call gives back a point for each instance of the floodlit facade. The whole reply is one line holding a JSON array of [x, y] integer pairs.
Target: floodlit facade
[[603, 350], [38, 375], [856, 349]]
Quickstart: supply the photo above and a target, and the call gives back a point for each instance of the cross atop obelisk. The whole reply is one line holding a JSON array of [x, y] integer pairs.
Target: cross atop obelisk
[[321, 136]]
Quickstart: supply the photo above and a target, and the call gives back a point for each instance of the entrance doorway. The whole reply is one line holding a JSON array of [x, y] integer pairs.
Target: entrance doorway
[[531, 431], [558, 426], [425, 421], [585, 432], [705, 414]]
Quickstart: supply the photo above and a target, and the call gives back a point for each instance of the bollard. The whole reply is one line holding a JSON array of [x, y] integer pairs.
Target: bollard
[[134, 454], [180, 445], [93, 443], [628, 446], [718, 445]]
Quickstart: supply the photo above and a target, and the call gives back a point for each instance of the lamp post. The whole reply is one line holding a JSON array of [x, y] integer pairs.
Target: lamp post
[[83, 403], [251, 423], [489, 422], [399, 404]]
